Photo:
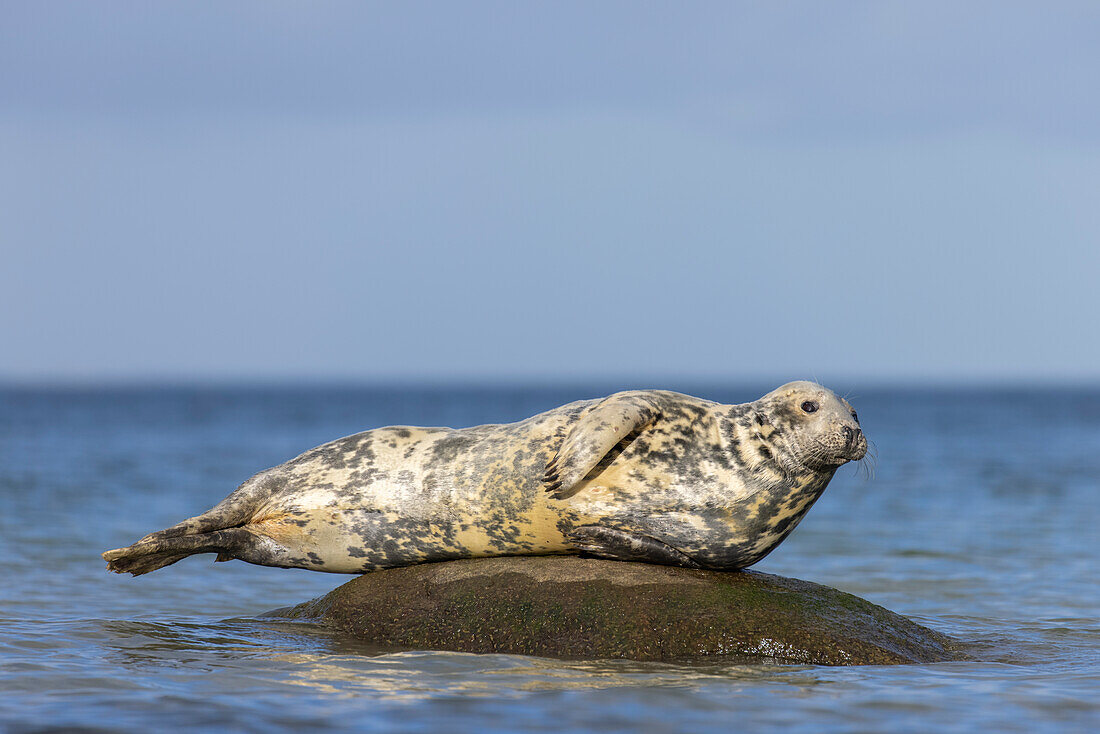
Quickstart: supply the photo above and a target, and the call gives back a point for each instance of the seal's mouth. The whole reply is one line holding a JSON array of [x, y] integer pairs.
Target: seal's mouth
[[841, 449]]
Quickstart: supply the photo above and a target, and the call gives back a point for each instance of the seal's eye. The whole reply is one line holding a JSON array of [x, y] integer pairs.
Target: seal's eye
[[855, 416], [809, 406]]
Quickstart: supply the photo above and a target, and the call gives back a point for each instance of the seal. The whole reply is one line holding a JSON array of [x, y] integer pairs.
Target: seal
[[645, 475]]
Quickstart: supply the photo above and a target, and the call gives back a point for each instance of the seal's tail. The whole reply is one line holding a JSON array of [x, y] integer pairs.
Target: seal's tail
[[153, 552]]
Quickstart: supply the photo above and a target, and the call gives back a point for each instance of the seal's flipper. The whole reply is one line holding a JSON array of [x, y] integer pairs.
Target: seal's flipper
[[218, 530], [236, 510], [591, 439], [145, 555], [620, 545]]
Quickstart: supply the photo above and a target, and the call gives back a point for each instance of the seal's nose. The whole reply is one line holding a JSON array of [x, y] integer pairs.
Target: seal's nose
[[851, 435]]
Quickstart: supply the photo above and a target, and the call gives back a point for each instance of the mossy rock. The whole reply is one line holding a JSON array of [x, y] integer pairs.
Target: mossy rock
[[582, 608]]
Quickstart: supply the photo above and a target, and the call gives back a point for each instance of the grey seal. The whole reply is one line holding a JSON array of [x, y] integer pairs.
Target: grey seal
[[645, 475]]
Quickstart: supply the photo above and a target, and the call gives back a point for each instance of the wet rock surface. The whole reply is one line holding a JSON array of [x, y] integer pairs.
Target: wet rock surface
[[582, 608]]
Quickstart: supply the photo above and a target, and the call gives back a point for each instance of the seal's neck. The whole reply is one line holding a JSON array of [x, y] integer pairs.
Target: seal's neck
[[755, 445]]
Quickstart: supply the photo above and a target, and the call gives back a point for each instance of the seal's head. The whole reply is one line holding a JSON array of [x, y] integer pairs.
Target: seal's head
[[821, 430]]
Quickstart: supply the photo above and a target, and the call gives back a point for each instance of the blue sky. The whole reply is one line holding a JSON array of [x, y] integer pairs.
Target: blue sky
[[511, 191]]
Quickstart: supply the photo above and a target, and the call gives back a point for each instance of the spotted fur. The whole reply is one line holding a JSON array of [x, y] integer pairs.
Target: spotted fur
[[650, 475]]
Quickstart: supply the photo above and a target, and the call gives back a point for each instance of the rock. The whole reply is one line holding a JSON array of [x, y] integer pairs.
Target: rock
[[582, 608]]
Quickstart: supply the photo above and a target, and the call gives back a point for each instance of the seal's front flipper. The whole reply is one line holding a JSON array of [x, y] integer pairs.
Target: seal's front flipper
[[621, 545], [593, 437]]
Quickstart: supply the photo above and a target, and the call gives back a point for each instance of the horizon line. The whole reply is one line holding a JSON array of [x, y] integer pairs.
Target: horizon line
[[529, 381]]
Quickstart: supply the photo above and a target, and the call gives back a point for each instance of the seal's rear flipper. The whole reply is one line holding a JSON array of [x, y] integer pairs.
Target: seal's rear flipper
[[149, 555], [218, 530], [620, 545]]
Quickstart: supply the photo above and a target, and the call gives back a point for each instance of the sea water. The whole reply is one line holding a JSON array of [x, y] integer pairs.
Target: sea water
[[979, 520]]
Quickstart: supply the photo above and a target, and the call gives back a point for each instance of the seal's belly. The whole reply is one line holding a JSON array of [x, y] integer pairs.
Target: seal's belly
[[356, 539], [397, 496]]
